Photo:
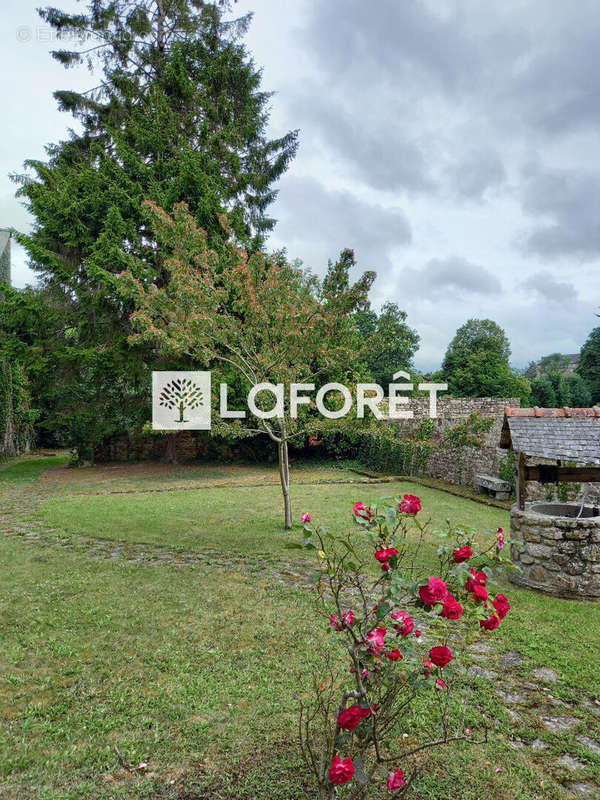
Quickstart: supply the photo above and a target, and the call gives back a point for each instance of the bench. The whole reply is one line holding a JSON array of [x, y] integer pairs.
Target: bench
[[487, 484]]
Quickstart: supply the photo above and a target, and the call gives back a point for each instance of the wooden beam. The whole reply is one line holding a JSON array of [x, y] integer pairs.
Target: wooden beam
[[564, 474], [521, 481]]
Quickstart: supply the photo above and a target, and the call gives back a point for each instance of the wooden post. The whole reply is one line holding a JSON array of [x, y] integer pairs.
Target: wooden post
[[521, 482]]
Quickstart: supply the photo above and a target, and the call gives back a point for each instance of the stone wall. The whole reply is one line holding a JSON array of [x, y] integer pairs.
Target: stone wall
[[149, 447], [460, 466], [559, 555]]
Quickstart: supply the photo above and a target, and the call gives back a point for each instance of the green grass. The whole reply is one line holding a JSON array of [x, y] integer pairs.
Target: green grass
[[197, 670], [244, 519], [28, 469]]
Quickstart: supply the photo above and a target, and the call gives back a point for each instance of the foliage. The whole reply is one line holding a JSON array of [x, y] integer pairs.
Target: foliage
[[390, 344], [476, 363], [542, 393], [383, 448], [16, 415], [555, 362], [507, 470], [379, 674], [555, 390], [178, 113], [589, 364], [256, 314], [468, 433]]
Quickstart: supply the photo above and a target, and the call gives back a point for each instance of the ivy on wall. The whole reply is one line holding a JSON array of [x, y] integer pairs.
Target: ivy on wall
[[382, 449], [16, 415]]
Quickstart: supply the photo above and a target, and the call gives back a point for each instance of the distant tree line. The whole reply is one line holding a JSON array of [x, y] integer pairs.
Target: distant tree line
[[476, 364]]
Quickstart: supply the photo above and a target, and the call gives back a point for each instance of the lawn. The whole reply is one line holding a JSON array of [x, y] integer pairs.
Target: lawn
[[195, 670]]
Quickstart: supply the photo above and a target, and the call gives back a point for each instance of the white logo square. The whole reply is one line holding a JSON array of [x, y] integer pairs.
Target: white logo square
[[180, 401]]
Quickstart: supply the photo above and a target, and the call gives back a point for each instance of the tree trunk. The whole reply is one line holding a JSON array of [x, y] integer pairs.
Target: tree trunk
[[284, 475], [170, 456]]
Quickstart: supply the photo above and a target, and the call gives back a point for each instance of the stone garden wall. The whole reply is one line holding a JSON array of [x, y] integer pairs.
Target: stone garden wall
[[461, 466], [148, 447]]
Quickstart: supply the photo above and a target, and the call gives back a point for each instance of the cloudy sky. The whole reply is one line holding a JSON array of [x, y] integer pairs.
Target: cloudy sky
[[453, 144]]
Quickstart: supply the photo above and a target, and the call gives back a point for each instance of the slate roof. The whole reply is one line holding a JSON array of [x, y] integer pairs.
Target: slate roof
[[568, 434]]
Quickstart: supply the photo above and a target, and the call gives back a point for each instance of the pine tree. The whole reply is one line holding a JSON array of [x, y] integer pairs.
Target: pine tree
[[178, 114]]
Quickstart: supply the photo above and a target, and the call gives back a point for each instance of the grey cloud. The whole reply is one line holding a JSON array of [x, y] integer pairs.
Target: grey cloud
[[567, 203], [393, 41], [546, 285], [379, 148], [315, 221], [559, 90], [453, 275], [476, 172]]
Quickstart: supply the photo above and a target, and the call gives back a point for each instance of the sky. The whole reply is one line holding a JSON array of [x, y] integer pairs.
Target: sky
[[452, 144]]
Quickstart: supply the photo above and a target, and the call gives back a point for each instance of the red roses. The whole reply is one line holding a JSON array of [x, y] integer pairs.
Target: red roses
[[349, 718], [341, 772], [394, 655], [384, 555], [375, 640], [395, 780], [462, 554], [436, 591], [361, 511], [348, 620], [476, 585], [441, 656], [411, 504], [501, 607], [452, 608], [407, 626]]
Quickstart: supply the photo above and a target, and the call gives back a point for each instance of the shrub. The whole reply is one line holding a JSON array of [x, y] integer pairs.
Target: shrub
[[381, 675]]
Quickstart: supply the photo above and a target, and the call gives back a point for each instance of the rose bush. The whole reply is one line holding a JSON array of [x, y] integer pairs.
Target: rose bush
[[350, 728]]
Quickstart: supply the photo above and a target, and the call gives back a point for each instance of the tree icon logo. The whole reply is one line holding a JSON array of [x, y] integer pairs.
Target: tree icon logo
[[181, 400], [181, 394]]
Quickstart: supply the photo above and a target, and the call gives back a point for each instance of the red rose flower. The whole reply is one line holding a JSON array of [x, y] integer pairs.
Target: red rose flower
[[480, 592], [360, 510], [349, 718], [395, 780], [478, 578], [348, 619], [441, 656], [385, 554], [407, 626], [490, 624], [375, 640], [452, 608], [394, 655], [366, 712], [435, 592], [501, 605], [462, 554], [411, 504], [428, 666], [341, 772]]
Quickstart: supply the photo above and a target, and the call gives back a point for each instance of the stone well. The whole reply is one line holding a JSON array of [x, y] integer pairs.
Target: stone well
[[558, 552]]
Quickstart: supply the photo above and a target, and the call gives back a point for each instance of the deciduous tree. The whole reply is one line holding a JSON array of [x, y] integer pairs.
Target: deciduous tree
[[255, 314]]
